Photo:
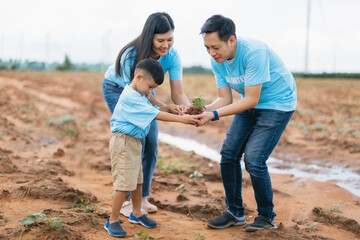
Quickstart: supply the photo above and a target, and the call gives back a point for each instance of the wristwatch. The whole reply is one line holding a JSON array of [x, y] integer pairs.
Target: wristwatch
[[216, 115]]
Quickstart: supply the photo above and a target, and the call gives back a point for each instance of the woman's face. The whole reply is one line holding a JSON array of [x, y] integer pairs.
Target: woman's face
[[161, 44]]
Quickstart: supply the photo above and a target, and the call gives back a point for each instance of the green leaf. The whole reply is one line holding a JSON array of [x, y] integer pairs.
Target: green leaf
[[39, 216], [29, 220], [55, 222]]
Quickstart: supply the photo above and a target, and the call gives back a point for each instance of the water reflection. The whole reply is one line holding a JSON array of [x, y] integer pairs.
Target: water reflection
[[337, 174]]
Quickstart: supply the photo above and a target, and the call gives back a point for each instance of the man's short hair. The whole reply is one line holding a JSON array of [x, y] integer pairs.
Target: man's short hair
[[218, 23], [152, 67]]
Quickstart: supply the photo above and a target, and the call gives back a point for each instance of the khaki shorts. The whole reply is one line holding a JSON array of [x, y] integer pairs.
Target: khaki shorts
[[125, 155]]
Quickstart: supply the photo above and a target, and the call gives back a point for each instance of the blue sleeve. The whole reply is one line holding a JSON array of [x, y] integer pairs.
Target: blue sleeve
[[220, 79], [175, 68], [139, 113], [257, 68]]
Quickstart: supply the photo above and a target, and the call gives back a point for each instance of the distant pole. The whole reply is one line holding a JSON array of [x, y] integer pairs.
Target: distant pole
[[306, 70]]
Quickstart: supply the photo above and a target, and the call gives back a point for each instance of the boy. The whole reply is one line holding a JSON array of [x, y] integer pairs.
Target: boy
[[130, 122]]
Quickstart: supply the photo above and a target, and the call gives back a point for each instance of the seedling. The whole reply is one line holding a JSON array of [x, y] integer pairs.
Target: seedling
[[199, 102], [196, 176], [53, 222], [181, 188], [83, 206], [105, 213], [336, 208], [143, 235], [197, 106], [93, 220], [311, 227], [199, 237], [170, 165]]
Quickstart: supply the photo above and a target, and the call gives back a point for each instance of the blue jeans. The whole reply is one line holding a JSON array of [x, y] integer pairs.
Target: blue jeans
[[112, 92], [253, 134]]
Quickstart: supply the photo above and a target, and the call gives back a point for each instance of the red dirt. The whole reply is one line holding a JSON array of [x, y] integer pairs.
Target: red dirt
[[46, 167]]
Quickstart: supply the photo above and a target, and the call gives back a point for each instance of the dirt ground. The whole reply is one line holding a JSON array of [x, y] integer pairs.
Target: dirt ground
[[54, 133]]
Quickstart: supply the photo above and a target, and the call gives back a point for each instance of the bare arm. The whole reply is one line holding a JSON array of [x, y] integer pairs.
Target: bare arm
[[154, 101], [225, 98], [177, 93], [168, 117], [251, 99]]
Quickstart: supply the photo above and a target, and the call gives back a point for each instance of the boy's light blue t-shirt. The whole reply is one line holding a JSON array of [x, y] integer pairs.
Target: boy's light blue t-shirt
[[170, 62], [133, 114], [255, 63]]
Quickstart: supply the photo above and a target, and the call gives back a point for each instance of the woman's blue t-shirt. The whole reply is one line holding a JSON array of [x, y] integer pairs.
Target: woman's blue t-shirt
[[170, 62]]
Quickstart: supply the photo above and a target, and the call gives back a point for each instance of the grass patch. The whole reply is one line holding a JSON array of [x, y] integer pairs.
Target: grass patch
[[66, 125]]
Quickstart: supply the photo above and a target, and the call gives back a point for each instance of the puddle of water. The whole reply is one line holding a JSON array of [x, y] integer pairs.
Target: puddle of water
[[337, 174]]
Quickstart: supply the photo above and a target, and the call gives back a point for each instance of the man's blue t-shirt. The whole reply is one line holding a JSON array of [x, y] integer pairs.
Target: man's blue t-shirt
[[255, 63], [170, 62], [133, 114]]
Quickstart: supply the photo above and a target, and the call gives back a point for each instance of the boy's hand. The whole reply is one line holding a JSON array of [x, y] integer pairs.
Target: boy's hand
[[190, 119]]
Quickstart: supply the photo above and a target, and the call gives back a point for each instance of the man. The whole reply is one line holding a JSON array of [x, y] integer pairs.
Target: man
[[268, 101]]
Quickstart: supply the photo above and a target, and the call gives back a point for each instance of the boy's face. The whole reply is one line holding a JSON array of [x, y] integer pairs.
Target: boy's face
[[144, 83], [219, 50]]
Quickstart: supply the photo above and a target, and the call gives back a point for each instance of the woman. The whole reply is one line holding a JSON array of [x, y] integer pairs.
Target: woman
[[154, 42]]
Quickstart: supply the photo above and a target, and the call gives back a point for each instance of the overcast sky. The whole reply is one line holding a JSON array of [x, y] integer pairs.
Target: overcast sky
[[93, 31]]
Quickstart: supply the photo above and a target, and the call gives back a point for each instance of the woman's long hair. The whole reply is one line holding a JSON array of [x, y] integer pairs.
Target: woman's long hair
[[156, 23]]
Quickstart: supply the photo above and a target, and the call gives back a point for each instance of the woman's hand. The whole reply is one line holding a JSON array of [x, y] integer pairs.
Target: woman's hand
[[176, 109]]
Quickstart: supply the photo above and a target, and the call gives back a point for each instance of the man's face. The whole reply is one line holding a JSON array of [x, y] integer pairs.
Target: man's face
[[219, 50]]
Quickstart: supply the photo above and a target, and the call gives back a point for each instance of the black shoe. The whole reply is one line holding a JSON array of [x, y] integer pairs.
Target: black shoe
[[260, 222], [225, 220]]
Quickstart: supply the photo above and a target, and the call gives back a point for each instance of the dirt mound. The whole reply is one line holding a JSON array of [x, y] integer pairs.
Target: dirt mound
[[42, 231], [329, 218], [205, 209], [291, 233], [6, 166], [44, 188], [50, 168]]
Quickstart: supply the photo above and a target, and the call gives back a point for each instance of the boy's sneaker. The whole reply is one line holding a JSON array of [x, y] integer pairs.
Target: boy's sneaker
[[114, 229], [226, 220], [260, 222], [143, 220]]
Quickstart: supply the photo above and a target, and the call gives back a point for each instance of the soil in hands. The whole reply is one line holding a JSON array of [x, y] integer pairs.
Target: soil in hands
[[197, 106]]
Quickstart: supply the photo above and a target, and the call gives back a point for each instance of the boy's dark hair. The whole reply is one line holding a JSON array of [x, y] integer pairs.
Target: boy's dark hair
[[156, 23], [152, 67], [218, 23]]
